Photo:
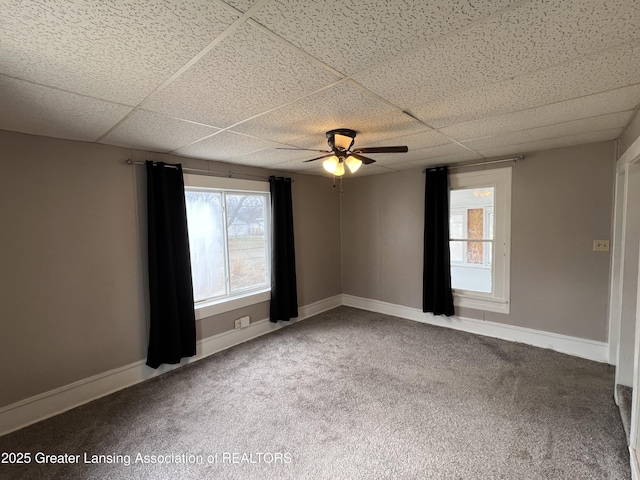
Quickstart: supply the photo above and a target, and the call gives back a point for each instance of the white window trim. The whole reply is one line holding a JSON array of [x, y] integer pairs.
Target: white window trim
[[214, 307], [207, 309], [500, 179]]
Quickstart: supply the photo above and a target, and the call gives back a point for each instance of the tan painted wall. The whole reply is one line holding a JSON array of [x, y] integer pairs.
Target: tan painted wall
[[72, 259], [561, 202]]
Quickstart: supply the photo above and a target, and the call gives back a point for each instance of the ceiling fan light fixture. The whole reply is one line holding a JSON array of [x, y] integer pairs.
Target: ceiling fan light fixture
[[353, 163], [330, 164], [342, 141], [339, 171]]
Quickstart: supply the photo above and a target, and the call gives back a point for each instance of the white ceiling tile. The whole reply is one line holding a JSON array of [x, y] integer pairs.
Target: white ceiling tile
[[391, 159], [341, 106], [575, 127], [118, 51], [225, 145], [273, 157], [353, 34], [416, 141], [157, 132], [389, 129], [592, 105], [608, 70], [579, 139], [39, 110], [248, 73], [242, 5], [534, 35]]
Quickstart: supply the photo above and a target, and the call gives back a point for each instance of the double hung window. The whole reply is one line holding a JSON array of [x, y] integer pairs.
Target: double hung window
[[229, 232], [479, 231]]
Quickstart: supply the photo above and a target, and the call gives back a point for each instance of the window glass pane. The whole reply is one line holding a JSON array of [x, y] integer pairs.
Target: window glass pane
[[474, 278], [456, 226], [471, 218], [246, 217], [206, 243], [456, 249]]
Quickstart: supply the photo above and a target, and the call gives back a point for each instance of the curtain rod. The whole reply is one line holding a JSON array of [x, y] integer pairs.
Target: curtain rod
[[514, 160], [219, 173]]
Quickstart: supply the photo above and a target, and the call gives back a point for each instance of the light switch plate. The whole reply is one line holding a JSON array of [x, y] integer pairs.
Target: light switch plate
[[601, 245]]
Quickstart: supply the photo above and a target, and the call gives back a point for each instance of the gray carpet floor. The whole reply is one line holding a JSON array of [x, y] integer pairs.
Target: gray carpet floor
[[348, 394]]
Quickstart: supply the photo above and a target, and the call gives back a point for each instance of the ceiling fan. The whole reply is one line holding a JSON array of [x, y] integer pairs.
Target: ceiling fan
[[342, 152]]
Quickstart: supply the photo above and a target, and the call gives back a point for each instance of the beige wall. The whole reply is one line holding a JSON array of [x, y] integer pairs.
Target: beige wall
[[561, 202], [72, 257], [630, 135]]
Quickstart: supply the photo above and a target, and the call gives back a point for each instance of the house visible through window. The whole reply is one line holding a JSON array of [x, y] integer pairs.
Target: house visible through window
[[479, 230], [471, 232], [229, 231]]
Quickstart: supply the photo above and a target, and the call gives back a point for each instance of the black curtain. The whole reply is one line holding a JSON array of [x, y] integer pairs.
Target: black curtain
[[172, 333], [437, 296], [284, 295]]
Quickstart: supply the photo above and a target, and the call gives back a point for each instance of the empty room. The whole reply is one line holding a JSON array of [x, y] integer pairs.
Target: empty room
[[255, 239]]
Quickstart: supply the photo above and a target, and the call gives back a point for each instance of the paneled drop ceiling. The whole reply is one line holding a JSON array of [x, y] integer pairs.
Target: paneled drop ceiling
[[455, 80]]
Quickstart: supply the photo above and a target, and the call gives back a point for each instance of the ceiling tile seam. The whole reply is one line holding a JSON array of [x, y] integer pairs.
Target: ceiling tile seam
[[545, 125], [488, 117], [31, 82], [589, 132], [230, 127], [636, 109], [381, 99], [437, 146], [179, 119], [468, 26], [277, 38], [533, 72], [227, 32], [457, 142]]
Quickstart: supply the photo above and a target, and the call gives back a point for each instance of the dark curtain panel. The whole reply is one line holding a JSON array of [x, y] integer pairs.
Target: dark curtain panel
[[172, 333], [437, 296], [284, 295]]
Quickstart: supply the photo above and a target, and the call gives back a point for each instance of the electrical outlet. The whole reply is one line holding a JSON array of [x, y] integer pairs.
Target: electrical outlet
[[242, 322], [601, 245]]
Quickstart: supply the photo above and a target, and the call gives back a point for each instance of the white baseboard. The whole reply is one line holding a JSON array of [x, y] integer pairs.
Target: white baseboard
[[48, 404], [578, 347], [53, 402]]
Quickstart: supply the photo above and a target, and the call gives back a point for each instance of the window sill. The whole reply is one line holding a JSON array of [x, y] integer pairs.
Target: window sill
[[216, 307], [481, 303]]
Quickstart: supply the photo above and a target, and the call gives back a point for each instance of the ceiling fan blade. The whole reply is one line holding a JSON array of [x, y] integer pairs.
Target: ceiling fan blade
[[365, 160], [305, 149], [318, 158], [402, 149]]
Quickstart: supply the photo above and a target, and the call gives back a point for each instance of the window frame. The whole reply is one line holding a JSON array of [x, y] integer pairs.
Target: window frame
[[499, 300], [209, 307]]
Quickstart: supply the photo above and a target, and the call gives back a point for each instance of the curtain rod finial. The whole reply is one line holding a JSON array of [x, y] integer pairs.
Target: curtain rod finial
[[128, 161]]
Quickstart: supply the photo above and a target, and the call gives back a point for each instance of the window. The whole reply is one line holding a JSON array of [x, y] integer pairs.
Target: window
[[229, 231], [479, 229]]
